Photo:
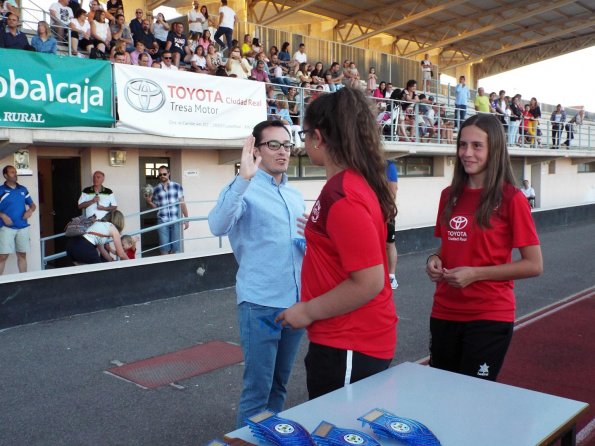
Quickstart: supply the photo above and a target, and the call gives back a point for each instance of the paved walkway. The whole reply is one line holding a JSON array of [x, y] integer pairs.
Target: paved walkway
[[53, 389]]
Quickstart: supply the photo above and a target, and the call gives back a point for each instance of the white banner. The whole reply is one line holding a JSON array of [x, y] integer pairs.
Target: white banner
[[188, 105]]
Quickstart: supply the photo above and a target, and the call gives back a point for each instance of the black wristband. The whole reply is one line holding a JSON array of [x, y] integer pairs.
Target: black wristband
[[432, 255]]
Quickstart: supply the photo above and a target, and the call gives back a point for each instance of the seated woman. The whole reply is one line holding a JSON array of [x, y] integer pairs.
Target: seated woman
[[205, 40], [101, 35], [213, 59], [43, 42], [302, 74], [80, 33], [285, 118], [317, 74], [120, 46], [90, 247], [198, 61], [237, 66], [160, 29]]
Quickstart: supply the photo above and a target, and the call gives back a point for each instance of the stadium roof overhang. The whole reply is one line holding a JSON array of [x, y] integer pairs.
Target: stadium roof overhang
[[459, 32]]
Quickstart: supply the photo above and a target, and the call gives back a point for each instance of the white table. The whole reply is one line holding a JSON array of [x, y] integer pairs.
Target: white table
[[460, 410]]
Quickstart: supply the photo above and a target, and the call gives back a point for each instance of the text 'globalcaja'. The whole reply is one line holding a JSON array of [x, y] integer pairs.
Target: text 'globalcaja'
[[84, 95]]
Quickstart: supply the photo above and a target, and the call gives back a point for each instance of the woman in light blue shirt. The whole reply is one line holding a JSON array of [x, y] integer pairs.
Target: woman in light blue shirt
[[43, 42]]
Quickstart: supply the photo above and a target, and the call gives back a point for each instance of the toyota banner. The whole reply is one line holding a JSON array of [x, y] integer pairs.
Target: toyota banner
[[188, 105], [44, 90]]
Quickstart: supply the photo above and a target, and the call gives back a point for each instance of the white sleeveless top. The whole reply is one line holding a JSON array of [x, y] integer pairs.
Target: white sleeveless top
[[99, 227]]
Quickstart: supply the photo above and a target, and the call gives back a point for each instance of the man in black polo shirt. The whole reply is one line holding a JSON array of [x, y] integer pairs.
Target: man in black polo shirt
[[148, 39]]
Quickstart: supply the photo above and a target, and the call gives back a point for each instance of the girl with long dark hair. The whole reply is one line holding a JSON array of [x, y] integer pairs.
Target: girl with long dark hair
[[346, 302], [482, 216]]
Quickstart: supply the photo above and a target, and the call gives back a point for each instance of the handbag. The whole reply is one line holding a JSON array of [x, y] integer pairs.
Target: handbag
[[78, 226]]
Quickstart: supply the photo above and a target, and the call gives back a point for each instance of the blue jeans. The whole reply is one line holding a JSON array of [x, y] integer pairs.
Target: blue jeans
[[169, 238], [269, 353], [460, 113], [284, 82], [228, 32]]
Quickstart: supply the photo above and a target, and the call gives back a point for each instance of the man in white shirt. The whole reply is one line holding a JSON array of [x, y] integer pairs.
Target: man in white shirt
[[529, 192], [300, 55], [166, 61], [195, 20], [426, 71], [97, 200], [227, 20], [61, 14]]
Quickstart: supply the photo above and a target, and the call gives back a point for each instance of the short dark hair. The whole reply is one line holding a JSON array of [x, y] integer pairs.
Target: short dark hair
[[5, 170], [259, 128], [119, 15], [163, 167]]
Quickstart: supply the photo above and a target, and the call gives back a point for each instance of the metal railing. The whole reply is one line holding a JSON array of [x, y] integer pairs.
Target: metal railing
[[45, 259]]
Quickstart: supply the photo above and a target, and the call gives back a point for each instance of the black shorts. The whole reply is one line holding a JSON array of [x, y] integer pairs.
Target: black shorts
[[329, 368], [475, 348], [81, 250], [390, 232]]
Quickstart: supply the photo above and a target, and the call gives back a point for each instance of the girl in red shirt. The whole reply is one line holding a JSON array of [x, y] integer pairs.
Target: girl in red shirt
[[347, 302], [482, 216]]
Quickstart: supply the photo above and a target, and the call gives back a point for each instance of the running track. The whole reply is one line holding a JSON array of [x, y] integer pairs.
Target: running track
[[553, 351]]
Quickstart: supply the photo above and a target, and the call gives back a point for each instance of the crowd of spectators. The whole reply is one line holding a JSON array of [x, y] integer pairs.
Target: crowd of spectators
[[403, 114]]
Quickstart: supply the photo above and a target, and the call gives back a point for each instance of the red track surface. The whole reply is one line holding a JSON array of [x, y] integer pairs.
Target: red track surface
[[553, 351]]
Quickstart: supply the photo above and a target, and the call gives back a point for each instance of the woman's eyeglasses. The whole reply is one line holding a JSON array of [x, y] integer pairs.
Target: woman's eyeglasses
[[276, 145]]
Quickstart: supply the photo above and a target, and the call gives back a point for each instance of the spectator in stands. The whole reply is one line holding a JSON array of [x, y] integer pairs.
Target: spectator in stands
[[283, 115], [205, 40], [527, 130], [237, 66], [80, 33], [426, 72], [100, 33], [139, 49], [61, 14], [389, 88], [90, 247], [258, 72], [577, 119], [120, 49], [302, 74], [144, 60], [95, 6], [97, 200], [192, 44], [278, 74], [208, 20], [372, 81], [11, 37], [380, 93], [284, 55], [353, 79], [557, 119], [516, 117], [257, 48], [261, 202], [136, 24], [482, 102], [317, 74], [293, 103], [346, 302], [273, 51], [112, 6], [461, 99], [446, 126], [177, 43], [213, 59], [195, 21], [300, 56], [7, 6], [16, 207], [148, 39], [262, 58], [198, 61], [336, 77], [160, 30], [493, 102], [529, 192], [247, 46], [472, 317], [157, 64], [120, 31], [227, 20], [43, 42], [166, 61], [169, 196]]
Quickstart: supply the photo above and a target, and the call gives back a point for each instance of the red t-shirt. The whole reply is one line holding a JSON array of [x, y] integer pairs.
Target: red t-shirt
[[346, 232], [131, 253], [465, 244]]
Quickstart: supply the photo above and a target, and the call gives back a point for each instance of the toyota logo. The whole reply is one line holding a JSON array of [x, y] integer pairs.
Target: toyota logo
[[458, 223], [144, 95]]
